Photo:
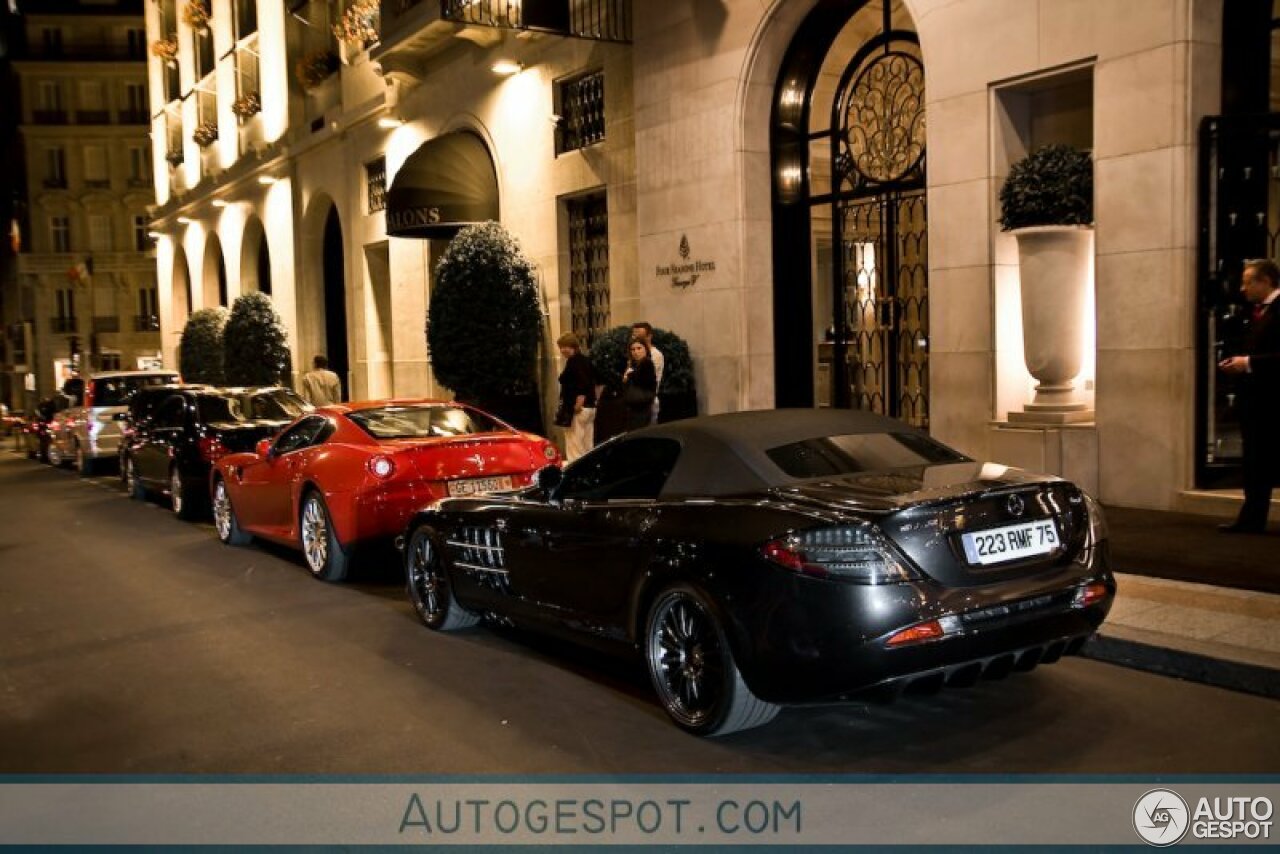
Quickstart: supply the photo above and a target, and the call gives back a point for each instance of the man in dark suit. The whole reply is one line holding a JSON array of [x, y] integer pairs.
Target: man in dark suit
[[1258, 377]]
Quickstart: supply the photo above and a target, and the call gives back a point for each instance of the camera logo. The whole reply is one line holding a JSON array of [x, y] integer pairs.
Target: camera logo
[[1161, 817]]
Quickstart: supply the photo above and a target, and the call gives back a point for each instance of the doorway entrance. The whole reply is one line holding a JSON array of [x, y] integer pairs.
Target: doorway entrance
[[851, 320], [335, 302]]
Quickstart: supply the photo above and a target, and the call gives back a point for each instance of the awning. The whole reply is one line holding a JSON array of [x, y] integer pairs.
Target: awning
[[448, 183]]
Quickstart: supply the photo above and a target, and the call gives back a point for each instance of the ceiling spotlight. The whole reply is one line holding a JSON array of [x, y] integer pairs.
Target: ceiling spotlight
[[389, 122], [507, 67], [219, 203], [185, 220], [266, 180]]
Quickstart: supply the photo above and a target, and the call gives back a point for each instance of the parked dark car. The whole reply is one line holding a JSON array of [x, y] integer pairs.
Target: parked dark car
[[765, 558], [176, 434], [35, 432]]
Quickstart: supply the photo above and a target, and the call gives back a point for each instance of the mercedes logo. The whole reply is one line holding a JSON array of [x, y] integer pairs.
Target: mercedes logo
[[1015, 505]]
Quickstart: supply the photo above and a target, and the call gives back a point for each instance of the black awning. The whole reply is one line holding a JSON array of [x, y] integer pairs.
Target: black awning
[[448, 183]]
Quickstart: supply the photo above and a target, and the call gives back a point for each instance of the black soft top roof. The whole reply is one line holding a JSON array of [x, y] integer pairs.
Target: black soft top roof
[[726, 454]]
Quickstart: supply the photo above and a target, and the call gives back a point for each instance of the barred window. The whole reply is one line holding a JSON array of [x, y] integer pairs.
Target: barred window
[[580, 105], [376, 178], [589, 265]]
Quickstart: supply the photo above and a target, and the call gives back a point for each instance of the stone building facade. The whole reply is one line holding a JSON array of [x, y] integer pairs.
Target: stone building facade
[[738, 194]]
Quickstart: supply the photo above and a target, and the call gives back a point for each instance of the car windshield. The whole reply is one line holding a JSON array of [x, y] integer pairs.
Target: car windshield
[[278, 404], [831, 456], [116, 391], [423, 422]]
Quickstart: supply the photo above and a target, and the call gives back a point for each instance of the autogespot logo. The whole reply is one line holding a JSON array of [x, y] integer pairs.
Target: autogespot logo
[[1160, 817]]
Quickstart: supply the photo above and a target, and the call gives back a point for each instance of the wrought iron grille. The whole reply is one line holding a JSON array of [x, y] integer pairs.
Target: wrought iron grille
[[376, 181], [601, 20], [589, 266], [487, 13], [581, 108]]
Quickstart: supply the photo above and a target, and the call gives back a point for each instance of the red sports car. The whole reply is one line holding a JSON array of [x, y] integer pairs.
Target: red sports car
[[353, 473]]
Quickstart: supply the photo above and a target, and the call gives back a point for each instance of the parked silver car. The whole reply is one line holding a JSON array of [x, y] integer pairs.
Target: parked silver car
[[89, 431]]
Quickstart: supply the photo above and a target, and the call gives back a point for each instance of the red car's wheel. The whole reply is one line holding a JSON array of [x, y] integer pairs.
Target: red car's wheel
[[224, 517], [325, 556]]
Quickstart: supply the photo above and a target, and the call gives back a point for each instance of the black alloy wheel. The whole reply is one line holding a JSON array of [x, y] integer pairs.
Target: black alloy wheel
[[84, 463], [137, 491], [692, 668], [428, 585]]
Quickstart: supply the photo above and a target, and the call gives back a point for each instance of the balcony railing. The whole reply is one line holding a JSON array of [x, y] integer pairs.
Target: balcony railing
[[62, 324], [88, 52], [93, 117], [98, 183], [49, 117], [55, 183], [133, 117], [106, 324], [603, 20], [146, 323]]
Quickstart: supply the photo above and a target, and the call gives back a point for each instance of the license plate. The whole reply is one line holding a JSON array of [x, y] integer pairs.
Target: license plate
[[479, 485], [1012, 542]]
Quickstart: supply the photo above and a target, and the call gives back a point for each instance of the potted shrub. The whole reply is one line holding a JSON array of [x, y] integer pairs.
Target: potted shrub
[[205, 134], [1047, 204], [315, 68], [196, 15], [200, 350], [166, 49], [677, 394], [255, 347], [247, 106], [484, 324], [358, 26]]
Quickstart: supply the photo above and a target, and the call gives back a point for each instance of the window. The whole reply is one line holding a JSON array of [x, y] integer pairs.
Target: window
[[135, 95], [51, 41], [137, 42], [245, 16], [139, 165], [580, 105], [588, 266], [422, 422], [304, 434], [204, 53], [100, 232], [108, 361], [60, 233], [832, 456], [95, 166], [141, 235], [92, 104], [49, 96], [634, 469], [376, 180], [66, 300], [55, 167], [172, 413]]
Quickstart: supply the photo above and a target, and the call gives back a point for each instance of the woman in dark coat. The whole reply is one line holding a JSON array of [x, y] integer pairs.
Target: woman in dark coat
[[640, 385], [576, 413]]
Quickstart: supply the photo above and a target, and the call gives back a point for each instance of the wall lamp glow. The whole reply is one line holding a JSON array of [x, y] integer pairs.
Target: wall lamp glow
[[506, 67], [219, 203], [389, 123], [185, 220], [266, 180], [154, 235]]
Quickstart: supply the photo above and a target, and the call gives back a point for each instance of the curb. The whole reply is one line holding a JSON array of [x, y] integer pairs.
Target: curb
[[1191, 666]]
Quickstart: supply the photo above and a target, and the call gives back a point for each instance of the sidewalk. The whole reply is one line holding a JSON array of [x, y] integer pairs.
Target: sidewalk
[[1193, 603]]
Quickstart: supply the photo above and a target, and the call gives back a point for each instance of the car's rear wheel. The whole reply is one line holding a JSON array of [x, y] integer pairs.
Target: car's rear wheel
[[55, 457], [84, 463], [133, 480], [429, 588], [692, 667], [183, 505], [324, 554], [224, 517]]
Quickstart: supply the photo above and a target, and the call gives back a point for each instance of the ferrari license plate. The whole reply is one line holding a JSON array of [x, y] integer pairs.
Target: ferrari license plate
[[1012, 542], [479, 485]]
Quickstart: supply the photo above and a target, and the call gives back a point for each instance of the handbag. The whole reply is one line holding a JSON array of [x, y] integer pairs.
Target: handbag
[[564, 416], [636, 397]]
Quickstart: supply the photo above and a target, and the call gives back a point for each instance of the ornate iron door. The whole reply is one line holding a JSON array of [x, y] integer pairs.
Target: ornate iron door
[[879, 213]]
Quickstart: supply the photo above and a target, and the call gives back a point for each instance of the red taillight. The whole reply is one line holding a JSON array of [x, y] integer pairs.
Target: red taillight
[[931, 630], [782, 554], [212, 449], [382, 467], [1090, 594]]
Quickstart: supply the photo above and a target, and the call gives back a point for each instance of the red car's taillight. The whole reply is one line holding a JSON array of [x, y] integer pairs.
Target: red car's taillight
[[382, 467], [212, 449], [854, 553]]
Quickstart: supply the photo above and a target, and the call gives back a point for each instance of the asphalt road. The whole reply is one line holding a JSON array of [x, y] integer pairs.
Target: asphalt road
[[132, 642]]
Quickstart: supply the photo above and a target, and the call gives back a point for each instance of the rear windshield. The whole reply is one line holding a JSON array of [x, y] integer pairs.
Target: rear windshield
[[422, 422], [116, 391], [831, 456], [274, 405]]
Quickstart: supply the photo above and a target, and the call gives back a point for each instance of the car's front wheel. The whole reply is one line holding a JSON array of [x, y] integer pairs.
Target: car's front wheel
[[85, 464], [692, 667], [325, 556], [55, 455], [224, 517], [133, 480], [429, 588]]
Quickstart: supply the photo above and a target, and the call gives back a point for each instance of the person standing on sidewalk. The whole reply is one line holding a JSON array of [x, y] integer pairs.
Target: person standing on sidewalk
[[577, 410], [321, 386], [642, 331], [1258, 373]]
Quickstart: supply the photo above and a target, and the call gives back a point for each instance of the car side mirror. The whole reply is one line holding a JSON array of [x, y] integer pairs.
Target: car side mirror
[[263, 449], [548, 480]]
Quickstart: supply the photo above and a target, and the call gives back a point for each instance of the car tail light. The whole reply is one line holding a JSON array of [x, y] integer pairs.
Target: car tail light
[[854, 553], [926, 631], [382, 467], [1090, 594], [212, 449]]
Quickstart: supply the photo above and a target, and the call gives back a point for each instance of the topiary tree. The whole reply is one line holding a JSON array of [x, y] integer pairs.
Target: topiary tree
[[1051, 186], [484, 321], [255, 345], [200, 350], [677, 393]]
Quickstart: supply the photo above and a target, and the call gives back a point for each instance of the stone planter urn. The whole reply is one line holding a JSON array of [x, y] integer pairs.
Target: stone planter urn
[[1054, 265]]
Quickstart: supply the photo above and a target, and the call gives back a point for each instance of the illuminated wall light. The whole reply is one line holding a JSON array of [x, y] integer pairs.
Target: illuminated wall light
[[219, 203], [185, 220], [389, 123], [266, 180], [154, 235], [507, 67]]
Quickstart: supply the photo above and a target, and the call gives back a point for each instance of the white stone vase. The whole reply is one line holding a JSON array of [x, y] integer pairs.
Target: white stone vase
[[1054, 262]]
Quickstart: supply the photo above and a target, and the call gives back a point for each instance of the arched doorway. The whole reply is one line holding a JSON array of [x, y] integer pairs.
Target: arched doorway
[[213, 288], [847, 142], [255, 259], [333, 266], [181, 288]]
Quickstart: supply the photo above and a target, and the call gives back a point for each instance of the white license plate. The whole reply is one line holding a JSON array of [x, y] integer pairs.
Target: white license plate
[[479, 485], [1012, 542]]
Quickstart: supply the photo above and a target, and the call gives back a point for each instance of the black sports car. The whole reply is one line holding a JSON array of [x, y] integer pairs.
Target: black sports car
[[764, 558]]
